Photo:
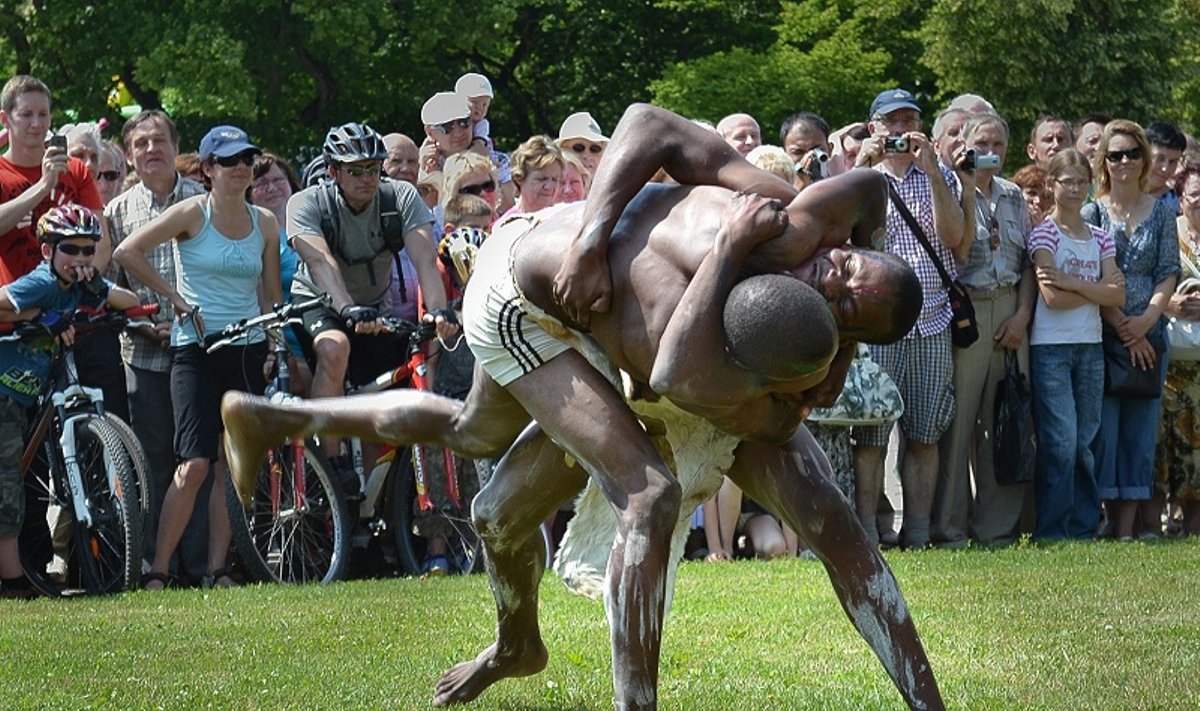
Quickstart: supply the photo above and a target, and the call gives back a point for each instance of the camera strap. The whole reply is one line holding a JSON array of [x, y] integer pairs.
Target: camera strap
[[919, 233]]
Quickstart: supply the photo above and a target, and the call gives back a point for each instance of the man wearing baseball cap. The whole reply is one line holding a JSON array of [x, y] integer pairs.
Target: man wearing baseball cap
[[921, 363], [581, 134], [447, 119]]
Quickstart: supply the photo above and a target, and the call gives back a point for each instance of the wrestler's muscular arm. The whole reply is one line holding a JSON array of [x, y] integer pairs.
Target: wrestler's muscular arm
[[692, 366], [646, 139]]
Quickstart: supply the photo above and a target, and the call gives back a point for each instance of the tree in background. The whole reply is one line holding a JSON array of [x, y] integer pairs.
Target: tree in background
[[287, 70]]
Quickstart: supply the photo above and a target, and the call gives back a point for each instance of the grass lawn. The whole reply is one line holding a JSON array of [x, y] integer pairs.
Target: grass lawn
[[1074, 626]]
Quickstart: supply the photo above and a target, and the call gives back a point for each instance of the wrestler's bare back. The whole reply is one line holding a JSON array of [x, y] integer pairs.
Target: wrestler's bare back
[[656, 248]]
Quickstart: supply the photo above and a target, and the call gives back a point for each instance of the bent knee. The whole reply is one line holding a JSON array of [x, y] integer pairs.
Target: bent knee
[[657, 504]]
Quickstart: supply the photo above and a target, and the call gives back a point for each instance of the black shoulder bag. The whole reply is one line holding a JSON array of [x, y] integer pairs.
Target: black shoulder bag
[[964, 330]]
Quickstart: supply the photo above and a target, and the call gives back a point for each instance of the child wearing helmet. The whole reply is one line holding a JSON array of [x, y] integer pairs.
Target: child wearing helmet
[[49, 295]]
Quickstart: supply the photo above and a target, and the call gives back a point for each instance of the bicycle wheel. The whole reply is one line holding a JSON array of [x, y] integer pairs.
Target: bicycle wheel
[[141, 465], [285, 538], [463, 549], [105, 556]]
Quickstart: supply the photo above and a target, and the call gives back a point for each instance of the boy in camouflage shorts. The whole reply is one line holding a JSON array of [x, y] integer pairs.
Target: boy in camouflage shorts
[[50, 294]]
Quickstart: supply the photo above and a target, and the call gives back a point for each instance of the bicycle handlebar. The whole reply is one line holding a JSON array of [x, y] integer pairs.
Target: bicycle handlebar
[[280, 316], [82, 319]]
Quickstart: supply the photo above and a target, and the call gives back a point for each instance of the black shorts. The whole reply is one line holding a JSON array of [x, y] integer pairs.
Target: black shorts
[[369, 355], [198, 380]]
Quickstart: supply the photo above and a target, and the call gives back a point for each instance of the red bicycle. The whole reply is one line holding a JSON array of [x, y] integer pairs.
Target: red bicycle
[[300, 527]]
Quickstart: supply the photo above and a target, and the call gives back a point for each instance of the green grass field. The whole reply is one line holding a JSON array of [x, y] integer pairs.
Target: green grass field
[[1076, 626]]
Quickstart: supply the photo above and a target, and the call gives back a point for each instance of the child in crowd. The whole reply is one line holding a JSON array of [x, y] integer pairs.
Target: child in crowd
[[1076, 274], [50, 294], [478, 90]]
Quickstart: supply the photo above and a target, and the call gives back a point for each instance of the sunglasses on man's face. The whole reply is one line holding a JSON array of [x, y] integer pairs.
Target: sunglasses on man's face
[[581, 147], [488, 187], [1117, 156], [358, 171], [109, 175], [74, 250], [245, 158], [451, 125]]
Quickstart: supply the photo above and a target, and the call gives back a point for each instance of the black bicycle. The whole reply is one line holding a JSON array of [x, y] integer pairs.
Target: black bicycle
[[87, 487]]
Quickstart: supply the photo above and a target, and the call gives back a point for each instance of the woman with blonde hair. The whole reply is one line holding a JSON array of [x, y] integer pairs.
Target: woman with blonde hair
[[1148, 255], [470, 173], [537, 167], [576, 179]]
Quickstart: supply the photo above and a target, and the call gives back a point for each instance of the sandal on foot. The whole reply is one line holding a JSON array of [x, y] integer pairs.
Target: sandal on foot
[[215, 578], [166, 580]]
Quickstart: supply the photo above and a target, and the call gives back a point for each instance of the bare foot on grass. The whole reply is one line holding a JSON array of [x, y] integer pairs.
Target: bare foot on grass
[[467, 680]]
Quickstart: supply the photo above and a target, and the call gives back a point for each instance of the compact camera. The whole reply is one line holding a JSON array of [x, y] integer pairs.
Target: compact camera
[[973, 159], [896, 144], [57, 141], [818, 165]]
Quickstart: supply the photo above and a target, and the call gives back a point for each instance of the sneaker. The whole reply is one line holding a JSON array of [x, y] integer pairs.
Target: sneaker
[[435, 566], [57, 570], [342, 471]]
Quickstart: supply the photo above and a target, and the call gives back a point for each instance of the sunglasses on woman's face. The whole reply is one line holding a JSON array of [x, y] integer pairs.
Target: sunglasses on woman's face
[[109, 175], [1117, 156], [488, 187], [581, 147], [74, 250], [245, 158]]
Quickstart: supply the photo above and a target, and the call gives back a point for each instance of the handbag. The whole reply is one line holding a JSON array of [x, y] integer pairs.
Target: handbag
[[869, 396], [1014, 446], [964, 329], [1121, 377]]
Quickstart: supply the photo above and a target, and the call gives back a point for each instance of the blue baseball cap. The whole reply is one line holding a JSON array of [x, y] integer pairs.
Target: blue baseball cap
[[225, 141], [891, 100]]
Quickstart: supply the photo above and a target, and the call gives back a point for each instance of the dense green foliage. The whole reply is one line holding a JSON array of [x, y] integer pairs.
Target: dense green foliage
[[1074, 626], [288, 70]]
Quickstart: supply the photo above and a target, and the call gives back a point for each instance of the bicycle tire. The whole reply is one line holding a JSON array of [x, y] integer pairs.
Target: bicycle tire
[[106, 556], [464, 549], [280, 544], [141, 465]]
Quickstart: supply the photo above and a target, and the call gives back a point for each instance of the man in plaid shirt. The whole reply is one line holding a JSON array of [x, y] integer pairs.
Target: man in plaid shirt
[[151, 141], [921, 363]]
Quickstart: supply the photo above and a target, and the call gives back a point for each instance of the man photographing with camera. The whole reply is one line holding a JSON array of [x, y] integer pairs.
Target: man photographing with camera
[[35, 176], [921, 363]]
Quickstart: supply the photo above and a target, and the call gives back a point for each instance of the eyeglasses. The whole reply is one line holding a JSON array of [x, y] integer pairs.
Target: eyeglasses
[[109, 175], [1134, 153], [451, 125], [1071, 184], [74, 250], [488, 187], [264, 183], [591, 148], [245, 158], [358, 171]]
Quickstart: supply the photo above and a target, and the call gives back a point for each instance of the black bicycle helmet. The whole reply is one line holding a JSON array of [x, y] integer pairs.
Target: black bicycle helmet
[[353, 142], [67, 221], [314, 173]]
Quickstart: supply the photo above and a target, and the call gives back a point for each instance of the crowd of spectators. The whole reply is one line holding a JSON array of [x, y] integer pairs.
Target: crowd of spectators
[[1083, 244]]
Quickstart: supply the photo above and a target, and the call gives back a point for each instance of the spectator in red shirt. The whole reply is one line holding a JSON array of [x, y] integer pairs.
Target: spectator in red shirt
[[35, 178]]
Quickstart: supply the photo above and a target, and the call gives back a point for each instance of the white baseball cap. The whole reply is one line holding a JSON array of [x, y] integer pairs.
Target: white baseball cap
[[473, 84], [581, 125], [444, 106]]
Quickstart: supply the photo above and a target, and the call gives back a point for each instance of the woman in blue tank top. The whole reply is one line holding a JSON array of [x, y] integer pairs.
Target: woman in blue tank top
[[226, 257]]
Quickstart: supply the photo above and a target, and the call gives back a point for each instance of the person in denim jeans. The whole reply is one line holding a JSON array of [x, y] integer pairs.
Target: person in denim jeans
[[1077, 273]]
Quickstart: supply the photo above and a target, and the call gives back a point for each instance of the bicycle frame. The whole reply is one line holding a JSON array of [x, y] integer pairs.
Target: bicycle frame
[[416, 369]]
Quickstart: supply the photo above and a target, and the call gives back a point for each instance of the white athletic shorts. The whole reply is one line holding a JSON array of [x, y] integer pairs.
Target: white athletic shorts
[[501, 326]]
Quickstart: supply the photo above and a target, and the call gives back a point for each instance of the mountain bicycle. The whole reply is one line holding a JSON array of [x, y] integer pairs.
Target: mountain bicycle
[[300, 526], [85, 463]]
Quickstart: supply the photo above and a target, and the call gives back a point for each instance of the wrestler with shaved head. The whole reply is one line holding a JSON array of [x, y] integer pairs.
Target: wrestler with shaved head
[[679, 256]]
